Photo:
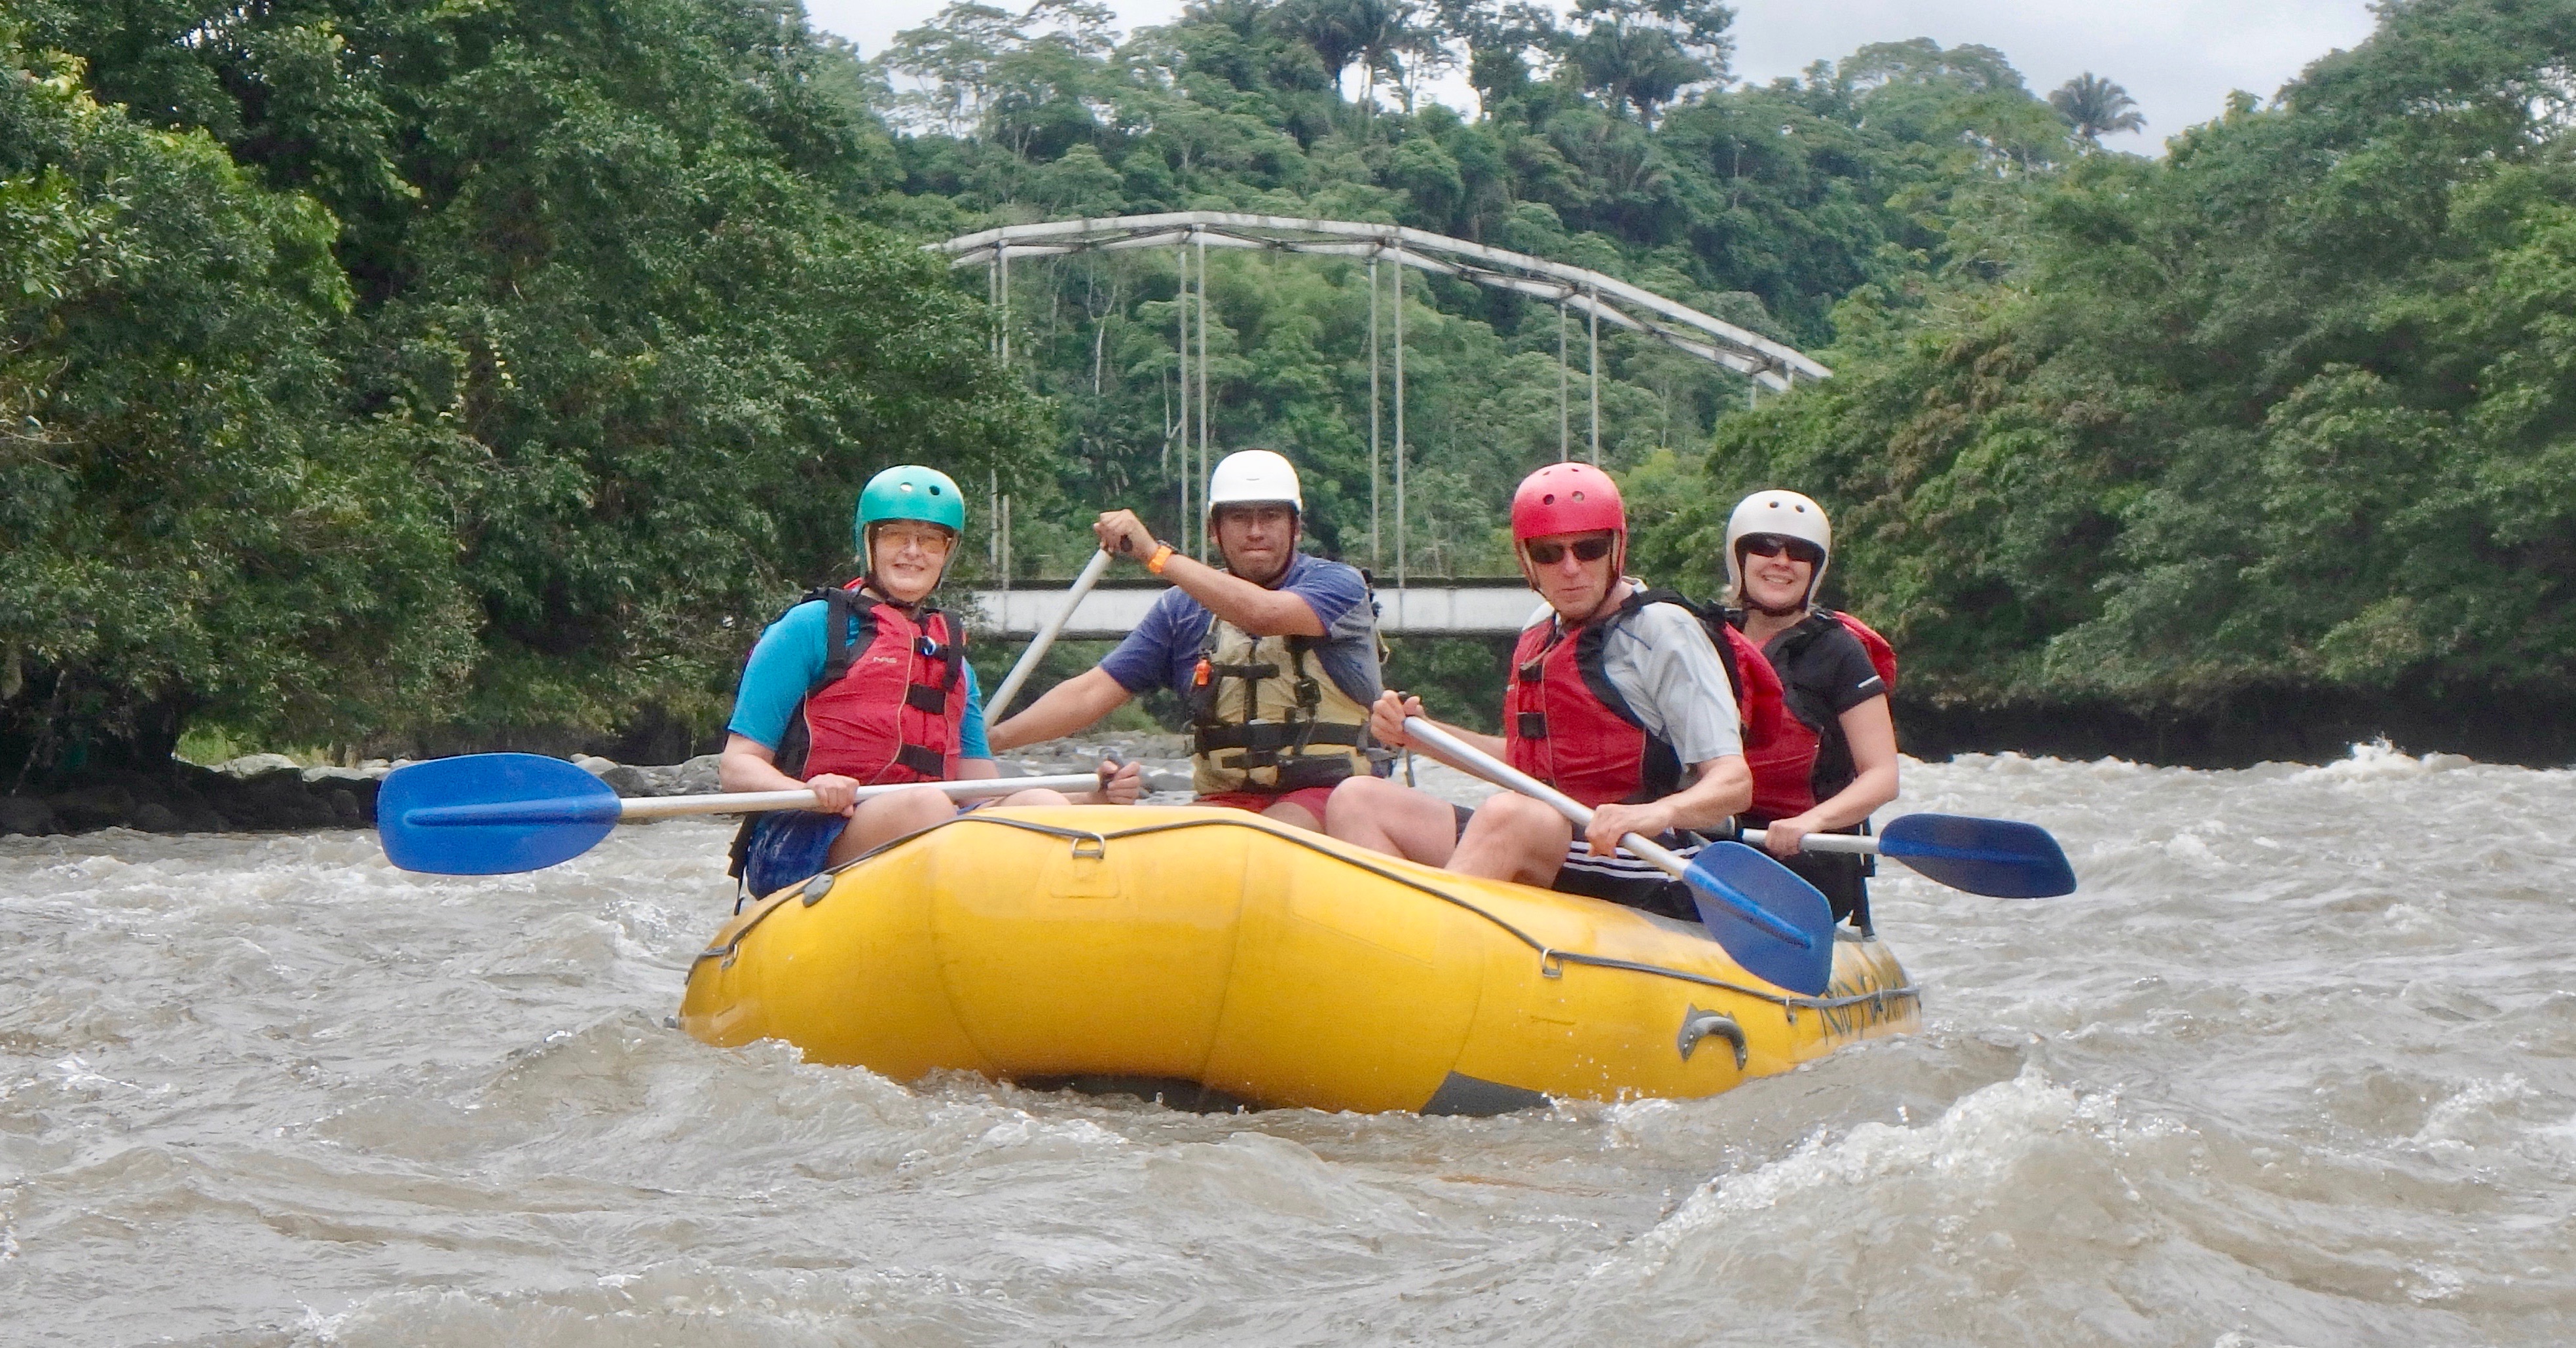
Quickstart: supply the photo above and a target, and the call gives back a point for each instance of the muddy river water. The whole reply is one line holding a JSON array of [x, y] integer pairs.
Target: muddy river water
[[2297, 1066]]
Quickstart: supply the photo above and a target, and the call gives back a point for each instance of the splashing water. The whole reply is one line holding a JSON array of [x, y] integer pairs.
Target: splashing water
[[2296, 1067]]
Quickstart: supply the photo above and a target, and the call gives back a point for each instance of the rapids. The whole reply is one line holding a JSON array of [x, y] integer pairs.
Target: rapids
[[2297, 1066]]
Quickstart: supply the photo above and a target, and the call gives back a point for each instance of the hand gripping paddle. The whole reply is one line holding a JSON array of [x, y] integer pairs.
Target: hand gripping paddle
[[1779, 927], [497, 814]]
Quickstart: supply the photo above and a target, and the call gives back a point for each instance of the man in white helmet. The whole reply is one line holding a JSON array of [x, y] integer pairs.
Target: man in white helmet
[[1832, 759], [1275, 656]]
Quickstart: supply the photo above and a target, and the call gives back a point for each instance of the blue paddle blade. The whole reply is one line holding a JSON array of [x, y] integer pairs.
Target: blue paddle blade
[[2000, 857], [491, 814], [1779, 927]]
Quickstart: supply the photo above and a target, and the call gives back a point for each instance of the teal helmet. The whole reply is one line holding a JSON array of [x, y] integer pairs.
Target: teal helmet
[[909, 491]]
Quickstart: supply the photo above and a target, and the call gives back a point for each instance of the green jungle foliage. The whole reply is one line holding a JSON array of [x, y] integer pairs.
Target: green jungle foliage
[[420, 375], [383, 370], [2291, 410]]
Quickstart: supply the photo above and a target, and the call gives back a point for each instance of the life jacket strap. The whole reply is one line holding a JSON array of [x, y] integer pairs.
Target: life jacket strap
[[1266, 738]]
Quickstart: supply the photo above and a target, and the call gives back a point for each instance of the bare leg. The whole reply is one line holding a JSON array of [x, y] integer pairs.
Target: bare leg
[[1295, 816], [1037, 796], [1379, 815], [882, 819], [1513, 838]]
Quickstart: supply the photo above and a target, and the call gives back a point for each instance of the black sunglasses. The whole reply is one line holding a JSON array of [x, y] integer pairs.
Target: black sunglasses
[[1772, 545], [1585, 550]]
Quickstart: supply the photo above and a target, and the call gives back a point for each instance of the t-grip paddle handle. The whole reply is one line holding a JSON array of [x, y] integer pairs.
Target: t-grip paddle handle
[[1642, 847]]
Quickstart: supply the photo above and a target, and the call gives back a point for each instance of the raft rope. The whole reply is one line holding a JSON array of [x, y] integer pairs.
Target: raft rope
[[1551, 959]]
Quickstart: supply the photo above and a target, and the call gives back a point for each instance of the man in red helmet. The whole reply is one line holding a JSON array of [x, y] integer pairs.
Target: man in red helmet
[[1616, 698]]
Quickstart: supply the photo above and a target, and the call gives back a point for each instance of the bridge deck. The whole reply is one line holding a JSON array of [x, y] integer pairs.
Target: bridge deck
[[1449, 608]]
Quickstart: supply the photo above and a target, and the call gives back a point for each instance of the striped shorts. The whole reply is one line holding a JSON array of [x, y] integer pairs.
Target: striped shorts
[[1624, 879]]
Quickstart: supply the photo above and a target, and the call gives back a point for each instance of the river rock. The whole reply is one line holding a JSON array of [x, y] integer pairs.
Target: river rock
[[84, 808], [25, 814], [373, 771], [696, 777], [154, 817], [624, 779]]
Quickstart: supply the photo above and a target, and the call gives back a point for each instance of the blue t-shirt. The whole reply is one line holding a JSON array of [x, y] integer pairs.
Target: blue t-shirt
[[786, 663], [1164, 648]]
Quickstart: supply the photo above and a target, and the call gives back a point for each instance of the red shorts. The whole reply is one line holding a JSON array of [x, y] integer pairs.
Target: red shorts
[[1310, 798]]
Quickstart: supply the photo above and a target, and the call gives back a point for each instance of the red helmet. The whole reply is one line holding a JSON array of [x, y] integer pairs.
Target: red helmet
[[1566, 498]]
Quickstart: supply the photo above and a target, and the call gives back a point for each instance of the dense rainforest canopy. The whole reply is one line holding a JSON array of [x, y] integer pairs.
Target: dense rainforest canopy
[[379, 372]]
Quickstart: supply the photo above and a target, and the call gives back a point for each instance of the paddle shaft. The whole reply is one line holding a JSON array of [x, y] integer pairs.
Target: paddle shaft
[[755, 802], [598, 809], [1820, 842], [1001, 698], [1498, 772]]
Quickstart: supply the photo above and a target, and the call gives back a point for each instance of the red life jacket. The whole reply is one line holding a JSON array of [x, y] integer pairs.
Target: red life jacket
[[892, 707], [1808, 761], [1565, 724]]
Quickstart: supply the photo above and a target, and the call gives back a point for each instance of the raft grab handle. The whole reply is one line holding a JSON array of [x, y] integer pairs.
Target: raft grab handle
[[1698, 1025]]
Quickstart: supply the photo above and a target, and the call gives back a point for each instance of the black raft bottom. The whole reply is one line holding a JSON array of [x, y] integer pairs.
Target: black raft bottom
[[1460, 1094]]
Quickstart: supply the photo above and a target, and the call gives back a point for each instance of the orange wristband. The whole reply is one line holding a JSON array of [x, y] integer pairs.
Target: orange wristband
[[1162, 554]]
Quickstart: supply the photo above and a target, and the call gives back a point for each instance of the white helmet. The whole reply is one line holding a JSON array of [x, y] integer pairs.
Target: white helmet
[[1254, 477], [1778, 512]]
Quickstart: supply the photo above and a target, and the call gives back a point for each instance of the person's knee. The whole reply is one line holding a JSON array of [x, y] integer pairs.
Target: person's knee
[[1355, 799], [1523, 825], [1037, 796], [904, 811]]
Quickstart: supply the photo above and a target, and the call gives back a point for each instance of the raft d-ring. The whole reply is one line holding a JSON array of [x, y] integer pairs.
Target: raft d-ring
[[1698, 1025], [1550, 964], [1090, 847], [817, 887]]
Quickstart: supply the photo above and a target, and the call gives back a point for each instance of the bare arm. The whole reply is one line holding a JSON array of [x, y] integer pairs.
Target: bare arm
[[1070, 706], [1870, 730], [749, 765], [1263, 613], [1724, 789]]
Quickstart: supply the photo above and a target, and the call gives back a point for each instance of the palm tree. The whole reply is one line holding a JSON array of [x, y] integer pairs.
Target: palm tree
[[2096, 107]]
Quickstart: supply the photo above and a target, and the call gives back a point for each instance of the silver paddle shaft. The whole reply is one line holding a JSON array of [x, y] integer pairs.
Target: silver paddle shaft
[[756, 802], [1820, 842], [1001, 698], [1500, 773]]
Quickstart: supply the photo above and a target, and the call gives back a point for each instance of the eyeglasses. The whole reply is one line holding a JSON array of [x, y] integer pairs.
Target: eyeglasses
[[933, 541], [1772, 545], [1585, 550]]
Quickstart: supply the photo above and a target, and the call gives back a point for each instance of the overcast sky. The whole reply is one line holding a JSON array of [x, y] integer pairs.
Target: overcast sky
[[2178, 58]]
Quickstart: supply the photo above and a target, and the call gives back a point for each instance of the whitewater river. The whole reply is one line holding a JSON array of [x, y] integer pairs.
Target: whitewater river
[[2297, 1066]]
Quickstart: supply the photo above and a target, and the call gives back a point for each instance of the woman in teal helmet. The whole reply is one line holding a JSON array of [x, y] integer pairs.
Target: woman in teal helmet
[[863, 684]]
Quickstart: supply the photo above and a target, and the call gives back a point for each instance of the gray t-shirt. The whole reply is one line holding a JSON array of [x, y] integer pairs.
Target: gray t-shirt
[[1660, 660]]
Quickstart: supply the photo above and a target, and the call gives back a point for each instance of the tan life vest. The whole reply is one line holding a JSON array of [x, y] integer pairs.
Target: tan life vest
[[1265, 716]]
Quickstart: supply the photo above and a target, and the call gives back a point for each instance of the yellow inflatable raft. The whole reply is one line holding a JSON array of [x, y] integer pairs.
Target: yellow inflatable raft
[[1267, 964]]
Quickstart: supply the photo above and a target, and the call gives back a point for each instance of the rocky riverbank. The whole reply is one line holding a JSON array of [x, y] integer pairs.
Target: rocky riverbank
[[271, 792]]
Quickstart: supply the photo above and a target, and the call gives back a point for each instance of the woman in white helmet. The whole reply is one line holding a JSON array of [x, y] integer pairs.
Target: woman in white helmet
[[1275, 656], [1833, 760]]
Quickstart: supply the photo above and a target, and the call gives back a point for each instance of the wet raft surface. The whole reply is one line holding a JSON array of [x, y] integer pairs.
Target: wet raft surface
[[2298, 1067]]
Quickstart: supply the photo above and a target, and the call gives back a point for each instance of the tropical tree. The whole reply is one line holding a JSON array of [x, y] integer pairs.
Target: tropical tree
[[1642, 54], [2096, 107]]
